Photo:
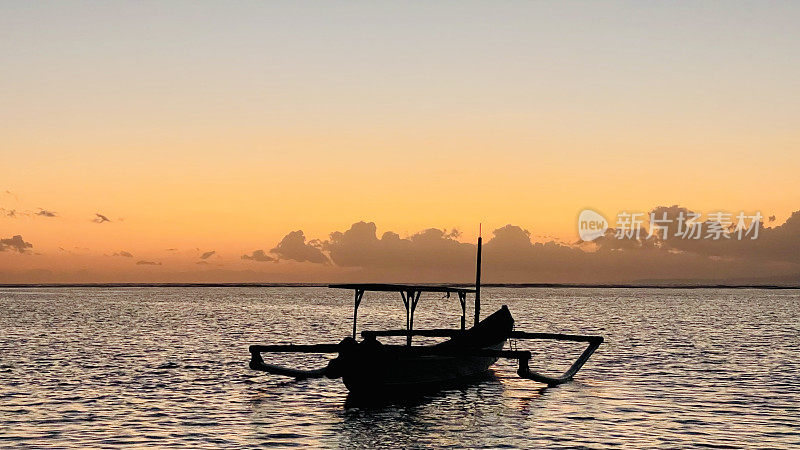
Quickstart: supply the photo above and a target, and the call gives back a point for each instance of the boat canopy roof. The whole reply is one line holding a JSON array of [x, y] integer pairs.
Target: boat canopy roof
[[381, 287]]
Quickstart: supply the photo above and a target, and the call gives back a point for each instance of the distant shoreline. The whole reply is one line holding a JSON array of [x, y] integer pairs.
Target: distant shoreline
[[488, 285]]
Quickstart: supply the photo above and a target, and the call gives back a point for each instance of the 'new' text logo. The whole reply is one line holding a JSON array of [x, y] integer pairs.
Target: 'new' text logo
[[591, 225]]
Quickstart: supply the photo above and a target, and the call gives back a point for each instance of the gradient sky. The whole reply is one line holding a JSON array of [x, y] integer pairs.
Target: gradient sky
[[222, 126]]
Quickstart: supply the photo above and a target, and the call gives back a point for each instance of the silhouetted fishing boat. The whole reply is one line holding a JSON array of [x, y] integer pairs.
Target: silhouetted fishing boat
[[370, 366]]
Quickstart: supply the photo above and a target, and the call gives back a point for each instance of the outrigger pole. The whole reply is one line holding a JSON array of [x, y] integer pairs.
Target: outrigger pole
[[478, 280]]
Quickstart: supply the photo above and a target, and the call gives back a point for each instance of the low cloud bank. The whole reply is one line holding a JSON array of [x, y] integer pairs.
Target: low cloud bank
[[435, 255]]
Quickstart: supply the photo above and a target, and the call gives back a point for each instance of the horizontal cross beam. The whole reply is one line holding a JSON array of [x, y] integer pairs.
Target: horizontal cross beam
[[556, 337], [436, 332]]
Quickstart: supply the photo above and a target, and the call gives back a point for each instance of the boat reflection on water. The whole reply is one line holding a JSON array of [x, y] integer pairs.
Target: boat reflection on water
[[493, 410], [433, 419]]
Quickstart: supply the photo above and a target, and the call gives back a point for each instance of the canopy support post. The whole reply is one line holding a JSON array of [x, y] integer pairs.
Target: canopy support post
[[462, 298], [413, 296], [410, 300], [406, 300], [359, 295]]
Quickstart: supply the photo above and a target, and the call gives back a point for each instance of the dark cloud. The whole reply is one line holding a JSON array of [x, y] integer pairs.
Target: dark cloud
[[46, 213], [123, 253], [258, 255], [99, 218], [12, 213], [147, 263], [15, 243], [207, 255], [435, 255], [172, 249], [293, 246], [360, 247], [510, 254], [778, 243]]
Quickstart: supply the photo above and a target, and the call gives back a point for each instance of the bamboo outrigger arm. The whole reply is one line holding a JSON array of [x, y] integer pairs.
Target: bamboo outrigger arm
[[525, 372], [257, 363]]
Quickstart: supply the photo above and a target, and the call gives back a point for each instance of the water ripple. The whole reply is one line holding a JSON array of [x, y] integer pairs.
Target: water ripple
[[84, 367]]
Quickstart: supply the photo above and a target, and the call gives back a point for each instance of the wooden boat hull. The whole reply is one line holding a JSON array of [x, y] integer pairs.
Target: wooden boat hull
[[420, 373], [371, 367]]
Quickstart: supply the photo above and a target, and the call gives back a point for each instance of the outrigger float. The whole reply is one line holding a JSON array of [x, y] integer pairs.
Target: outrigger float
[[368, 367]]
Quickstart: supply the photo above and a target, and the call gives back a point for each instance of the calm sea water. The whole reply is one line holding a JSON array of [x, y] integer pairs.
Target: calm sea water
[[91, 367]]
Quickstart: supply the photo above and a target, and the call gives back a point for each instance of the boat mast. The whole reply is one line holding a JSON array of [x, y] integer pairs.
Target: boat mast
[[478, 280]]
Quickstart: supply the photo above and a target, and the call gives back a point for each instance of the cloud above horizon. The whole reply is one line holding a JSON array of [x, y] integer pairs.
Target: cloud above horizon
[[360, 247], [510, 256], [15, 243], [259, 255], [99, 218], [779, 243], [293, 247], [147, 263], [46, 213]]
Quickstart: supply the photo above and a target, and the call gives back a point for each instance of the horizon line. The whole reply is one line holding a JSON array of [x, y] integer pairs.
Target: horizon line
[[489, 285]]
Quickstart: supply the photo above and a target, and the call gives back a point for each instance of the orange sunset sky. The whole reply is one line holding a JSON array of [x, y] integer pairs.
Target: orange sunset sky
[[224, 127]]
